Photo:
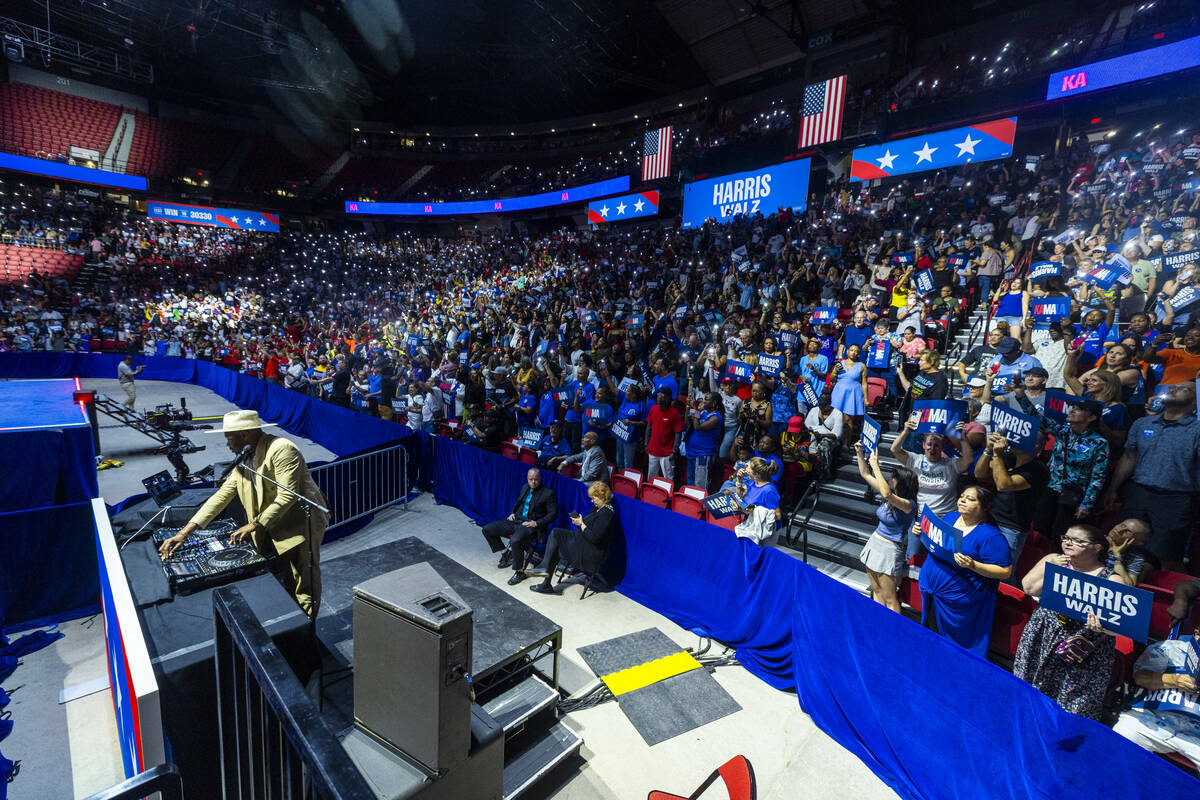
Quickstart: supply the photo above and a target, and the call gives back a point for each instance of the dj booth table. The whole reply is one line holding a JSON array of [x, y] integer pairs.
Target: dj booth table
[[178, 630]]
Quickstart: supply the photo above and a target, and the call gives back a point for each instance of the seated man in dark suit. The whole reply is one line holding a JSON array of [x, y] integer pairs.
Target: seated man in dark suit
[[536, 508]]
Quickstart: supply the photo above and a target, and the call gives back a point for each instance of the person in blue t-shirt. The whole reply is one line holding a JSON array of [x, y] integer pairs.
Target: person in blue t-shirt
[[554, 445], [527, 405], [857, 333], [814, 367], [584, 392], [547, 410], [663, 379], [704, 439], [1095, 332], [632, 412], [598, 416]]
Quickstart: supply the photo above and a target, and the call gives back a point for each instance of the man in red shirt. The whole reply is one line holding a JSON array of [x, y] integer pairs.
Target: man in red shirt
[[271, 368], [662, 442]]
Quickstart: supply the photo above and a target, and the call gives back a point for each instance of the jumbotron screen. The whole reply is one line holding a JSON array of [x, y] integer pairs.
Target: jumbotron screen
[[1125, 69]]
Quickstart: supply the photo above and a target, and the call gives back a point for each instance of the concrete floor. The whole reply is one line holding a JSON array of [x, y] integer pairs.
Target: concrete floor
[[70, 751], [790, 755]]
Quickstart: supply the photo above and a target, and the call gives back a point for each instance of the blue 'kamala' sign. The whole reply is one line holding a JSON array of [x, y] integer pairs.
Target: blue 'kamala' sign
[[1122, 609], [942, 538], [939, 416], [824, 315], [739, 371]]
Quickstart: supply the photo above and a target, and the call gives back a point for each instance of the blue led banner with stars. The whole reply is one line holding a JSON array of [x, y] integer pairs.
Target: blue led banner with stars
[[557, 197], [627, 206], [983, 141], [214, 217]]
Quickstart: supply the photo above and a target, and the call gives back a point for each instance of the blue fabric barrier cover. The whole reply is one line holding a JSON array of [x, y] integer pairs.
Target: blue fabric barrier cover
[[337, 429], [63, 471], [49, 563], [930, 719]]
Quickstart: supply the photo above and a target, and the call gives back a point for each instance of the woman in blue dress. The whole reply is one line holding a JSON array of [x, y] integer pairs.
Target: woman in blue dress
[[958, 590], [1013, 305], [850, 392]]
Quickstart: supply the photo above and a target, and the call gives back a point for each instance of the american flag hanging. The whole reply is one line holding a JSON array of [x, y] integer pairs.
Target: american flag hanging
[[821, 113], [656, 154]]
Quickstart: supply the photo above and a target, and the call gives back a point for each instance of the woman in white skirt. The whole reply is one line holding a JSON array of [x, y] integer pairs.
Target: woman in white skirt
[[883, 554]]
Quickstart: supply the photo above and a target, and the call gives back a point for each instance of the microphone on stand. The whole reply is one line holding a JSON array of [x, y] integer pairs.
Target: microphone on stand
[[237, 462]]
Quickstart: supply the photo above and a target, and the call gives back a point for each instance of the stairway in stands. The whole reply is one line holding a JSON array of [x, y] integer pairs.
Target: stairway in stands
[[844, 514]]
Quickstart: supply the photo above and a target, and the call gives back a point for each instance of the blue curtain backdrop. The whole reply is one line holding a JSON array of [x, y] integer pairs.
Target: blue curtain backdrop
[[46, 468], [337, 429], [930, 719], [48, 568]]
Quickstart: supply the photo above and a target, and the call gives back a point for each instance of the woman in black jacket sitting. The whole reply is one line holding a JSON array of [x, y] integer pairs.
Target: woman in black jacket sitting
[[587, 547]]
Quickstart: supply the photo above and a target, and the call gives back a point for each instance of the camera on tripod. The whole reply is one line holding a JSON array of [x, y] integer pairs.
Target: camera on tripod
[[167, 417]]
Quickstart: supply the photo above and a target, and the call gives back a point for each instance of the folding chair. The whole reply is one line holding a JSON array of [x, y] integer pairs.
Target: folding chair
[[736, 773]]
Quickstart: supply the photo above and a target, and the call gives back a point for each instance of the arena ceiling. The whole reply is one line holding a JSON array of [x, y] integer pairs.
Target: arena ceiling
[[452, 62]]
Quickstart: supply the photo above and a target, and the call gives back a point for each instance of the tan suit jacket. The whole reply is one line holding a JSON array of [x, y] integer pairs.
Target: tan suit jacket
[[279, 514]]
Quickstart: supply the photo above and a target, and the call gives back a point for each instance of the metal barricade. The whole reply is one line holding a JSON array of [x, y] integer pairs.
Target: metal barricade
[[364, 484], [274, 742]]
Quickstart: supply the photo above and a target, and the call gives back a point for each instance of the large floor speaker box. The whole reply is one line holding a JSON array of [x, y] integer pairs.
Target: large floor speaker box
[[412, 657]]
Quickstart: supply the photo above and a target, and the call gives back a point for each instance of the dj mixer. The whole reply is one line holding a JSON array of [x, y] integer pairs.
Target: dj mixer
[[208, 558]]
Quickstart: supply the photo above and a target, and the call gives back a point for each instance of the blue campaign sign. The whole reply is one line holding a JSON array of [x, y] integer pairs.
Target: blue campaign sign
[[622, 430], [1183, 298], [722, 505], [1124, 69], [627, 206], [739, 371], [400, 405], [1021, 430], [904, 258], [770, 364], [1056, 404], [879, 354], [413, 341], [236, 218], [956, 261], [761, 190], [530, 437], [635, 321], [824, 315], [67, 172], [870, 435], [1044, 269], [787, 340], [1173, 262], [1102, 277], [562, 395], [1122, 609], [983, 141], [939, 416], [1049, 309], [557, 197], [924, 281], [809, 394], [681, 311], [942, 538]]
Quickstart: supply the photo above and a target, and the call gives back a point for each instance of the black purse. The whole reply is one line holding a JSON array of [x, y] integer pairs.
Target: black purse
[[1071, 495]]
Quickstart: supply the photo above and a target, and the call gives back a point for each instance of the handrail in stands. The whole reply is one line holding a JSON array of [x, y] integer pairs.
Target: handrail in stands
[[164, 779], [813, 491]]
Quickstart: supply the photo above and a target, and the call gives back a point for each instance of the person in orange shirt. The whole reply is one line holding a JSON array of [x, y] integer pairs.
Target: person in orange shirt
[[1179, 365]]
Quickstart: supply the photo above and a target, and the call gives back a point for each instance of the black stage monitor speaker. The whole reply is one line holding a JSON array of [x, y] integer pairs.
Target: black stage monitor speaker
[[412, 656]]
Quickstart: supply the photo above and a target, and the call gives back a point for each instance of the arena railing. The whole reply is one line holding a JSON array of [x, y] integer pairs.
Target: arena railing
[[273, 740], [163, 779], [361, 485]]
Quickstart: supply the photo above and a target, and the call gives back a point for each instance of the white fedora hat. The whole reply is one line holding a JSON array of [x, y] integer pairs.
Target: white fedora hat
[[241, 421]]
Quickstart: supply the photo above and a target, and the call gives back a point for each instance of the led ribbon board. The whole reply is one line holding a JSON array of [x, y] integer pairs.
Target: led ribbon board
[[557, 197], [1125, 69], [970, 144], [214, 217], [67, 172]]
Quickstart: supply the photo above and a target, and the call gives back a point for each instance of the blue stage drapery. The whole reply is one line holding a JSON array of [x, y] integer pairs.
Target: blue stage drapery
[[48, 569], [929, 718]]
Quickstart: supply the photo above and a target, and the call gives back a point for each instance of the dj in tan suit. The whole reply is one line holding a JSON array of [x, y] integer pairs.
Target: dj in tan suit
[[275, 516]]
